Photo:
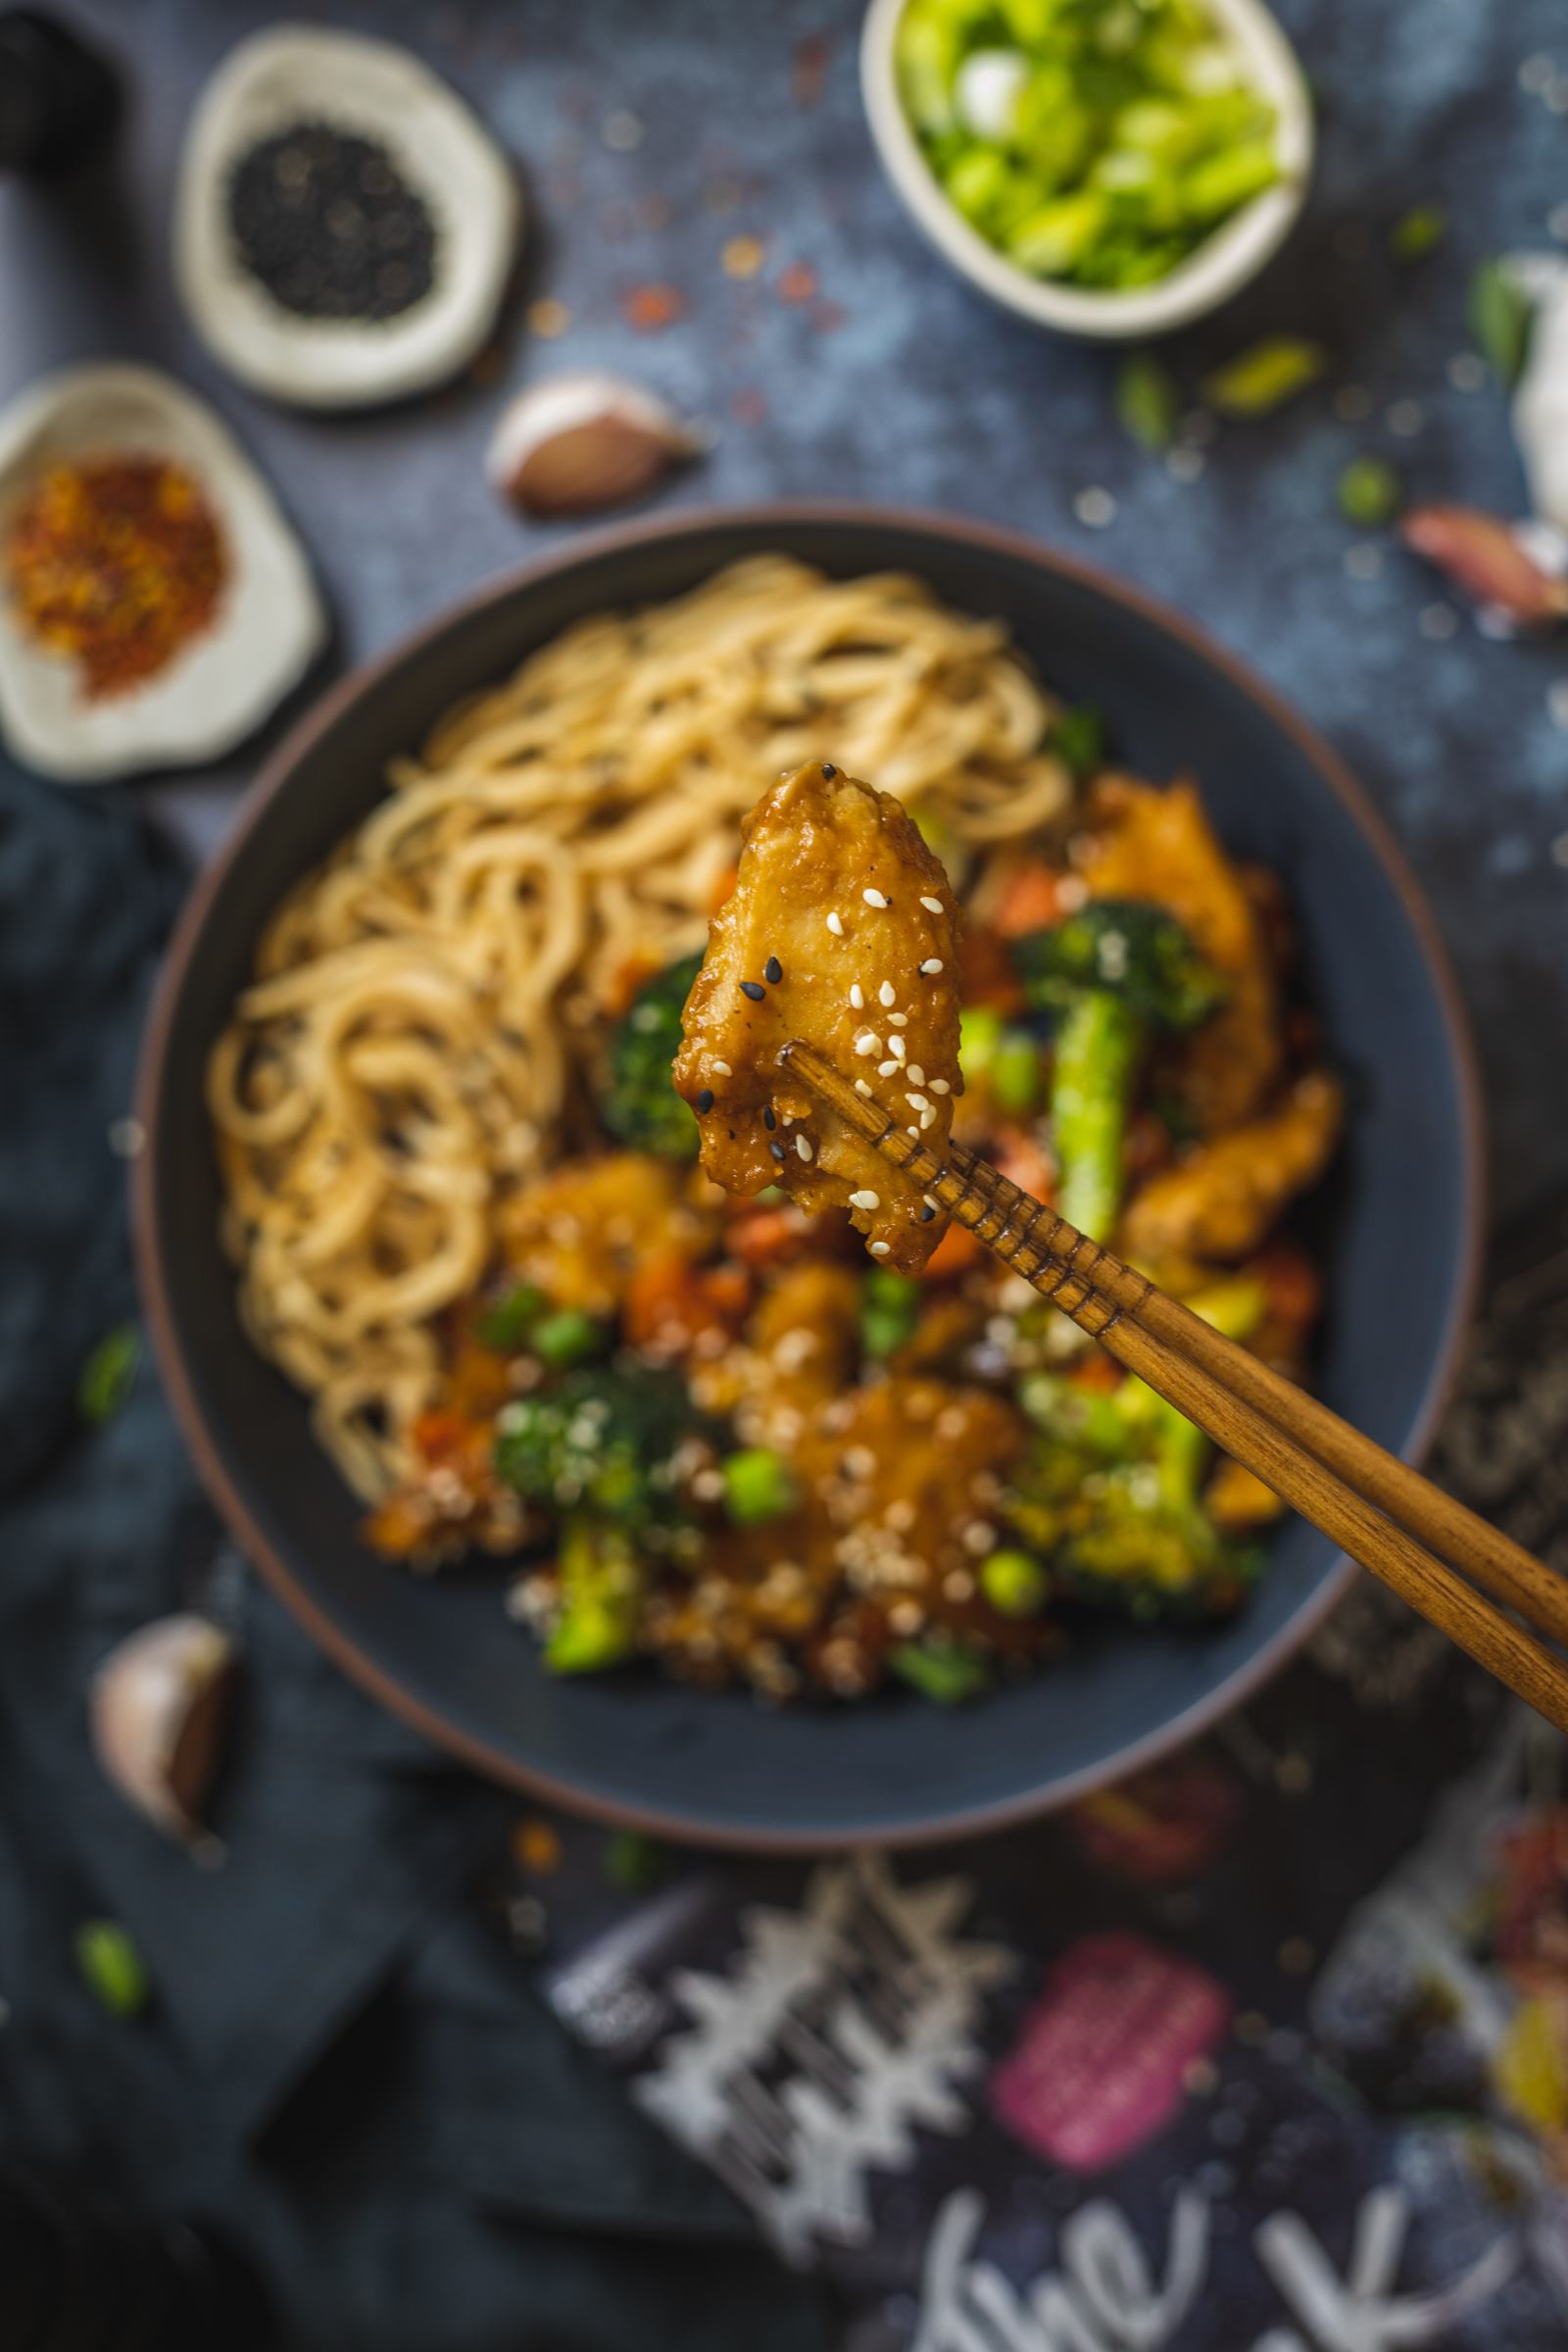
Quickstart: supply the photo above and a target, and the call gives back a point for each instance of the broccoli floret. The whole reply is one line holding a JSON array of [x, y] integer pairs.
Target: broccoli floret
[[1110, 1494], [600, 1441], [640, 1106], [1111, 974], [600, 1448]]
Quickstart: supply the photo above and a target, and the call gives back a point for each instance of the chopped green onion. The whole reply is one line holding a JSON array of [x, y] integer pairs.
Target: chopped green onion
[[566, 1339], [108, 1375], [1148, 401], [940, 1670], [112, 1967], [1500, 317], [759, 1486], [633, 1862], [1263, 377], [507, 1322], [1370, 492], [1016, 1078], [1015, 1583], [1415, 232], [1078, 740], [979, 1036], [890, 1313]]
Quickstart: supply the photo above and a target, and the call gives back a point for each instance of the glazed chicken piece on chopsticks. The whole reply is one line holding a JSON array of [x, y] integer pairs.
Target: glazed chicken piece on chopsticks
[[840, 933]]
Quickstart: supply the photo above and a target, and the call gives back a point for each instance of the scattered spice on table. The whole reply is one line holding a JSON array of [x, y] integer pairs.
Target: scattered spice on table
[[797, 283], [324, 221], [118, 561], [743, 257], [651, 309], [808, 68], [548, 317]]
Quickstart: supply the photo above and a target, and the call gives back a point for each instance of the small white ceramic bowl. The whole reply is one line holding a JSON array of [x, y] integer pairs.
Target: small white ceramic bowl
[[217, 687], [1221, 266]]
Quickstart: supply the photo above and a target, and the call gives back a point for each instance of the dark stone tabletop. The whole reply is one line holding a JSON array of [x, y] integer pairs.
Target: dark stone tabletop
[[649, 137]]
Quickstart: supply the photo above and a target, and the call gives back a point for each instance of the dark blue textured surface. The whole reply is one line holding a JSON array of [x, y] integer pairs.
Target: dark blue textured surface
[[924, 392]]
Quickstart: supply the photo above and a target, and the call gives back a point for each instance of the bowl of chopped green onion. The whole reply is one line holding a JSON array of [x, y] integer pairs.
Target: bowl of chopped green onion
[[1108, 168]]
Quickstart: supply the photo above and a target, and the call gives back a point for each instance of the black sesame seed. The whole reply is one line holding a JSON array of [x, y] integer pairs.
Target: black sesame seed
[[772, 971], [755, 990], [777, 1150], [829, 771], [927, 1212], [705, 1099], [769, 1120]]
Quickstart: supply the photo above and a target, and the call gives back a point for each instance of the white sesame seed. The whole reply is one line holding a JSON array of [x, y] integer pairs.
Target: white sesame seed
[[880, 1248], [939, 1086], [835, 923], [958, 1585], [928, 1118], [935, 905], [887, 994], [898, 1020], [1437, 622], [128, 1136], [861, 1087], [868, 1042], [865, 1199], [803, 1147], [1094, 508], [1467, 371], [917, 1073], [857, 997], [932, 963], [979, 1537], [885, 1069], [873, 897], [896, 1047], [721, 1069], [917, 1102], [915, 1130], [1405, 418]]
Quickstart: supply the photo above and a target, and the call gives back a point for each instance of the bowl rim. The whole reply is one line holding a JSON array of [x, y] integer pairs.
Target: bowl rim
[[151, 1080], [1233, 254]]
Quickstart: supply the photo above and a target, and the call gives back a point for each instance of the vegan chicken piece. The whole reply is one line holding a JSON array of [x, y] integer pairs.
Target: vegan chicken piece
[[840, 933]]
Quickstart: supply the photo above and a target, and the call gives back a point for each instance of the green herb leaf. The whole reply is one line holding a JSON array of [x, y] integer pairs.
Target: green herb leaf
[[108, 1375], [1078, 740], [1015, 1583], [1370, 492], [1501, 319], [1148, 401], [1415, 232], [1263, 377], [112, 1967]]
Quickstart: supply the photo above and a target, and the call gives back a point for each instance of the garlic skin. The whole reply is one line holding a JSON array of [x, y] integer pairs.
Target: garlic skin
[[582, 442], [156, 1707], [1541, 405], [1485, 556]]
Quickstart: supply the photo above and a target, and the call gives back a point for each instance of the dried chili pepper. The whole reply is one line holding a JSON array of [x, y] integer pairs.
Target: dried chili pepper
[[118, 561]]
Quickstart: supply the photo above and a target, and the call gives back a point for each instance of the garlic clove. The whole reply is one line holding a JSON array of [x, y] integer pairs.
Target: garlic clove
[[157, 1707], [1483, 554], [582, 442]]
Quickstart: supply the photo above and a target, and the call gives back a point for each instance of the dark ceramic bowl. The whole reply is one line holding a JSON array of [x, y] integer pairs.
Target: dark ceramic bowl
[[1396, 1224]]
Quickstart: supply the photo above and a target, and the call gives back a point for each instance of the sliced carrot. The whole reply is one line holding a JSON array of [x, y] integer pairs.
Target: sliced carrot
[[1096, 1371], [984, 971], [723, 888], [767, 1237], [669, 1300], [1292, 1283], [954, 1253], [1030, 902], [634, 974]]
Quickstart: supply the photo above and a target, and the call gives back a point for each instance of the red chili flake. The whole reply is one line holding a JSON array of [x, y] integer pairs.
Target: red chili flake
[[829, 317], [651, 309], [809, 72], [797, 283], [750, 407]]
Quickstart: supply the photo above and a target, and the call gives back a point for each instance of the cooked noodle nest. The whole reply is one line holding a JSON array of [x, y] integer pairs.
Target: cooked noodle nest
[[405, 1054]]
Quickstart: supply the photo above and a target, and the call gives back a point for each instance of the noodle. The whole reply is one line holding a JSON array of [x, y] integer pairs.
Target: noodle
[[406, 1055]]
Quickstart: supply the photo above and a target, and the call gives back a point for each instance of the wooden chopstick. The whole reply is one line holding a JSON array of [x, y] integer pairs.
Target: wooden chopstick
[[1423, 1543]]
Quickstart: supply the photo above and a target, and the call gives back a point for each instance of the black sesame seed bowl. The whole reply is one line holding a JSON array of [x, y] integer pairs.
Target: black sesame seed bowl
[[1396, 1228]]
